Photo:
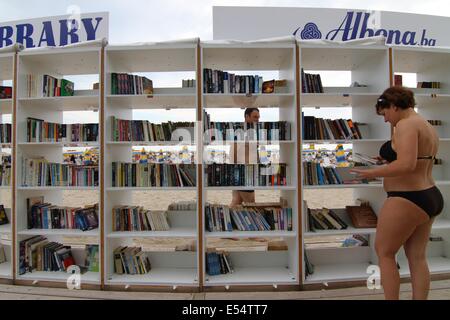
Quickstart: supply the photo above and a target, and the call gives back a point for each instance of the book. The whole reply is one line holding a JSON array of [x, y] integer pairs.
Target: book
[[2, 254], [5, 92], [362, 216], [268, 86], [3, 216], [398, 80], [367, 159], [67, 88], [92, 258]]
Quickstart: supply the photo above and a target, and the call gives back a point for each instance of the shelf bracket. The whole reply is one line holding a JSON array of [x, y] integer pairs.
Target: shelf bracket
[[127, 286], [35, 282], [174, 287], [275, 286], [227, 287]]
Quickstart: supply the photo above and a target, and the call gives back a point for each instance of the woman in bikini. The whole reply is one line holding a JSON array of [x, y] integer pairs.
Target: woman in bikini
[[413, 201]]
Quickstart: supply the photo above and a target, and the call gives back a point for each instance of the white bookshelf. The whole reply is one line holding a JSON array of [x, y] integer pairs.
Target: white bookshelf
[[255, 58], [7, 62], [368, 66], [60, 63], [432, 65], [166, 58]]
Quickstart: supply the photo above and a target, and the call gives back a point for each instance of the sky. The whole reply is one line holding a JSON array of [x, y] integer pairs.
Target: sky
[[148, 20]]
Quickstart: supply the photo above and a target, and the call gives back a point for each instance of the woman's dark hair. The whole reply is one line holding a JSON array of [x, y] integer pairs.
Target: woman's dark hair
[[249, 111], [398, 96]]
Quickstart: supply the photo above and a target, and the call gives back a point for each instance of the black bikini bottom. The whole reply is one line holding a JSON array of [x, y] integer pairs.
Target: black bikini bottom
[[430, 200]]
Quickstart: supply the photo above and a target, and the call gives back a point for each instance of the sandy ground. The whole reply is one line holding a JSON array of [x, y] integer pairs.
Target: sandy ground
[[159, 200]]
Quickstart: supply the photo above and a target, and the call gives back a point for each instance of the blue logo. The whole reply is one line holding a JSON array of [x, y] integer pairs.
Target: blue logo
[[359, 25], [309, 32]]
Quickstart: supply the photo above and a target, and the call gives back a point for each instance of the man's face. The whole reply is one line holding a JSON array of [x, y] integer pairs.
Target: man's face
[[253, 117]]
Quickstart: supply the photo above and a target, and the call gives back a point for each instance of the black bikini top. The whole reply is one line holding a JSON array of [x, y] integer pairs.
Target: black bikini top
[[389, 154]]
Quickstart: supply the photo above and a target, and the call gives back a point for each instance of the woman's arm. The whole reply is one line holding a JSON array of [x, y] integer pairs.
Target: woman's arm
[[406, 141]]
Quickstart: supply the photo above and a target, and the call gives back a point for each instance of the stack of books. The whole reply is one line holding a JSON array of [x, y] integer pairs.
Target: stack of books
[[131, 260], [43, 215], [218, 263], [37, 253], [183, 206], [325, 219]]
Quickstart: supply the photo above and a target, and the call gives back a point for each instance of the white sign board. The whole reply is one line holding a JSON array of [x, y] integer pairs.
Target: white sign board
[[55, 31], [252, 23]]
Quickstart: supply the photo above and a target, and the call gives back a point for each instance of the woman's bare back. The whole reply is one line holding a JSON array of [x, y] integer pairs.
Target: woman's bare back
[[428, 142]]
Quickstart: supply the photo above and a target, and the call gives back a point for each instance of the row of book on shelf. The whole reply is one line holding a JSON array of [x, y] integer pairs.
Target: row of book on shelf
[[40, 172], [131, 260], [218, 81], [316, 173], [251, 175], [240, 131], [123, 83], [39, 130], [218, 263], [218, 252], [335, 219], [319, 129], [153, 175], [39, 254], [143, 130], [44, 215], [311, 83], [48, 86], [136, 218], [248, 218]]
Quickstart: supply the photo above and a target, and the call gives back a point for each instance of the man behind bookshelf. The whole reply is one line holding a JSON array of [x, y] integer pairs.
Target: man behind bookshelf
[[251, 116]]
